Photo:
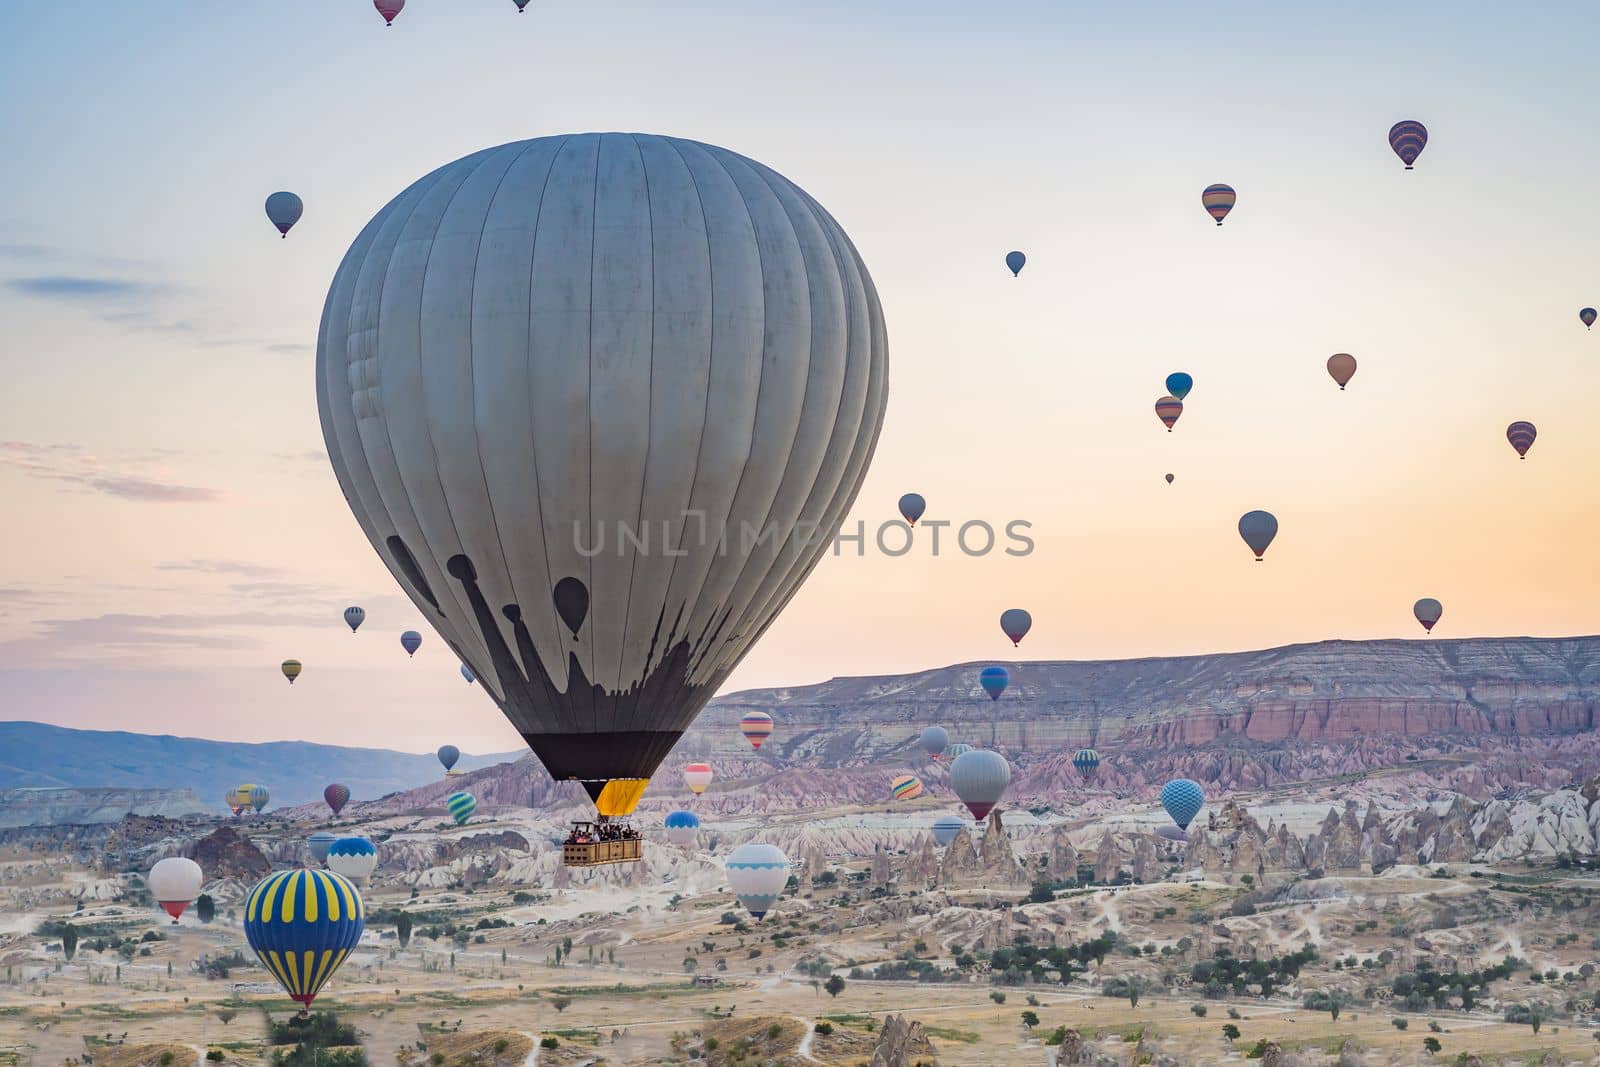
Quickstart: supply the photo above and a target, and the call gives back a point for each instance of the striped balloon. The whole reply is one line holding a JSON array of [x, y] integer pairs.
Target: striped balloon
[[697, 776], [354, 617], [1218, 201], [906, 787], [1587, 316], [302, 924], [994, 681], [319, 843], [1087, 762], [756, 727], [1183, 800], [461, 806], [291, 669], [255, 795], [235, 802], [1168, 408], [389, 9], [1408, 138], [951, 752], [1521, 435], [337, 796]]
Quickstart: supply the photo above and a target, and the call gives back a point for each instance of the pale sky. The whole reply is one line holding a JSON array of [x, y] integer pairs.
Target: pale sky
[[175, 530]]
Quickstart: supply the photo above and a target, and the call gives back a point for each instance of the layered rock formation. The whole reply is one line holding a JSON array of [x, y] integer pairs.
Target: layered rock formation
[[88, 807]]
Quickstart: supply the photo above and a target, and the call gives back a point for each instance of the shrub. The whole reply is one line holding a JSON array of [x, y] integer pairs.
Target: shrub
[[1399, 1023], [825, 1029], [1198, 1009], [215, 1055], [997, 996], [774, 1031], [549, 1042], [1230, 1031], [1431, 1044]]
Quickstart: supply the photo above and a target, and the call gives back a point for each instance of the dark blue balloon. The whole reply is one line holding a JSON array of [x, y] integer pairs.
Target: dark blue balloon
[[1179, 384], [1183, 800], [994, 681], [1015, 260]]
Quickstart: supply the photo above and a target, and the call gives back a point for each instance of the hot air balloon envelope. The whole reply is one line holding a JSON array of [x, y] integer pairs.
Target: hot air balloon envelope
[[1408, 138], [466, 672], [757, 874], [934, 740], [979, 778], [175, 882], [1016, 261], [756, 727], [1218, 200], [1183, 800], [461, 806], [1169, 479], [1087, 763], [1521, 436], [1341, 368], [1428, 611], [1587, 316], [946, 828], [448, 754], [337, 796], [1015, 624], [905, 787], [912, 506], [683, 828], [302, 924], [411, 641], [1258, 528], [1179, 384], [697, 776], [601, 336], [354, 858], [291, 669], [994, 681], [389, 9], [955, 750], [283, 211], [354, 617], [1168, 409], [319, 843]]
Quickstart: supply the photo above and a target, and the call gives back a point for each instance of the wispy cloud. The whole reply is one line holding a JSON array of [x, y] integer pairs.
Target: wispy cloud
[[70, 464], [240, 567], [79, 287], [22, 250], [117, 635], [288, 348]]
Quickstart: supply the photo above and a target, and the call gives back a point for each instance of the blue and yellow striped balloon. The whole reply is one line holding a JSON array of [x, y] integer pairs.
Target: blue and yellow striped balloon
[[1087, 762], [302, 924], [461, 806]]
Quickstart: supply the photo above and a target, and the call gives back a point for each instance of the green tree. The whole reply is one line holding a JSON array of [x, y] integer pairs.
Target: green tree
[[1230, 1031], [560, 1004], [834, 985], [205, 909], [402, 928], [1431, 1043], [69, 940], [1135, 991], [1030, 1019]]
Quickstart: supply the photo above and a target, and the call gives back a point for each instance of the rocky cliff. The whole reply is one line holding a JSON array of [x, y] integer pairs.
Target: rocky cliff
[[87, 807]]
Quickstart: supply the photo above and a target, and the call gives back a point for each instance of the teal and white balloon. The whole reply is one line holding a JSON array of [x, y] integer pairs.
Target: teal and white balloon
[[757, 873], [461, 806]]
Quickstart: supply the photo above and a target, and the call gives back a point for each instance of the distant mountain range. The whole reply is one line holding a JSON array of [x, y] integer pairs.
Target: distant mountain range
[[1505, 710], [35, 754]]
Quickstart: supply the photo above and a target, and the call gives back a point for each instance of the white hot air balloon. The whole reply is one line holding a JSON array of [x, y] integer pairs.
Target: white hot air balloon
[[354, 858], [757, 874], [175, 883], [599, 401]]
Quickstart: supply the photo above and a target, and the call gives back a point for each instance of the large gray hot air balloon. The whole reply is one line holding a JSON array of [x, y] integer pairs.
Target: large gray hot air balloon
[[1258, 528], [597, 401], [979, 778], [934, 740]]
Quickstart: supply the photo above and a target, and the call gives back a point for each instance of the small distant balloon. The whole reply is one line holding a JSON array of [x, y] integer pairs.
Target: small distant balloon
[[756, 727], [912, 506], [284, 210], [1179, 384], [411, 641], [336, 796], [319, 843], [934, 740], [697, 776], [1086, 761], [1258, 528], [1428, 611], [1016, 261], [1168, 408], [1341, 368], [1408, 138], [994, 681], [1183, 799], [1015, 624], [466, 672], [1587, 316], [905, 787], [1218, 200], [683, 828], [354, 617], [946, 828], [291, 669], [522, 5], [1521, 435], [955, 751], [1169, 479], [461, 806], [389, 9], [448, 754]]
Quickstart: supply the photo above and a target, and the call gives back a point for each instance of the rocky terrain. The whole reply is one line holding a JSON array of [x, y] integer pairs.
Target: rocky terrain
[[84, 807]]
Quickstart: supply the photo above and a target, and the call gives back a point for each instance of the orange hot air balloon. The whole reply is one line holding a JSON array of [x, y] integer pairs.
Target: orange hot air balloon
[[1341, 368]]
